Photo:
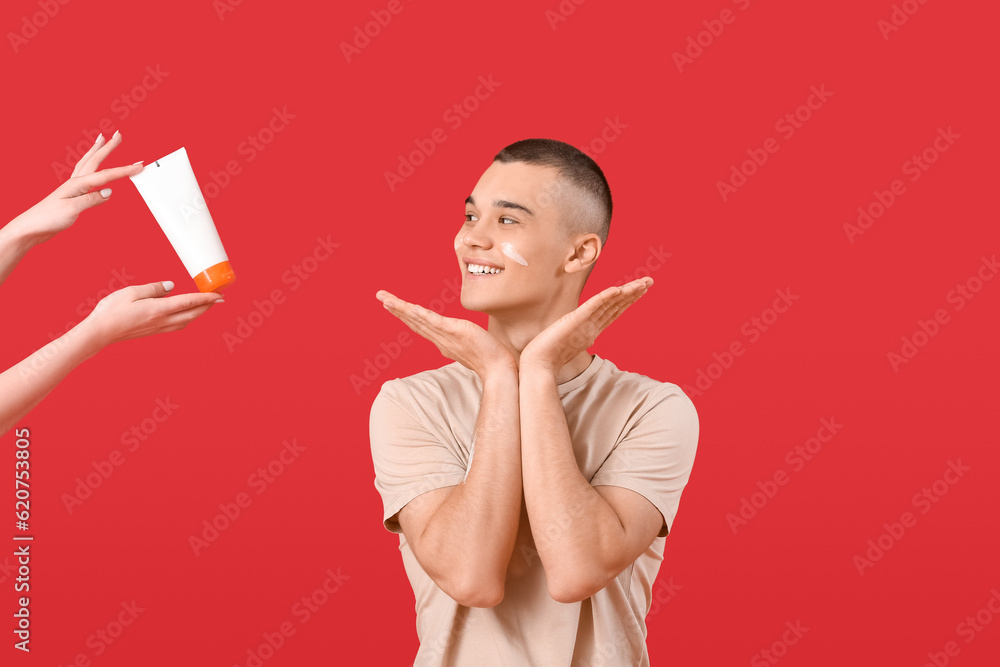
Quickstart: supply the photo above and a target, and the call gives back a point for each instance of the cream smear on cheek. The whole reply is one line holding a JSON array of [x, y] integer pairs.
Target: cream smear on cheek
[[508, 249]]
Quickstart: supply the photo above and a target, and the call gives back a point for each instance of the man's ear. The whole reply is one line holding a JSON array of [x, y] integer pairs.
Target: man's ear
[[586, 250]]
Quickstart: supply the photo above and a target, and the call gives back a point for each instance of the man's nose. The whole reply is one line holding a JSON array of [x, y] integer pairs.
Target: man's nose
[[478, 235]]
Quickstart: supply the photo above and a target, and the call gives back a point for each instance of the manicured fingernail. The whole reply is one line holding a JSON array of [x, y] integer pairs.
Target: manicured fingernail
[[167, 285], [139, 162], [99, 137], [115, 134], [106, 192]]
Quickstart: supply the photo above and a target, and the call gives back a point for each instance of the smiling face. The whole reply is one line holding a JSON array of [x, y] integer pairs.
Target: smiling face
[[515, 249]]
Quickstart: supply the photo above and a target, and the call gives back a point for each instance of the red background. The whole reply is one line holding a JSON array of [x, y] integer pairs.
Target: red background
[[323, 175]]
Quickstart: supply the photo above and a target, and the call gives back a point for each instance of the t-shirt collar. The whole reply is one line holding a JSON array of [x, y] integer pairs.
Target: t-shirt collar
[[581, 379]]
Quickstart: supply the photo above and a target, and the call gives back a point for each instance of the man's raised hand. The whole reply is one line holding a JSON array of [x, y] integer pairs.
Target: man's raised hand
[[574, 332], [460, 340]]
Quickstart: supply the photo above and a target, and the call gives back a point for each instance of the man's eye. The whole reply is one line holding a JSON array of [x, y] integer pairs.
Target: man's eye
[[512, 220], [469, 217]]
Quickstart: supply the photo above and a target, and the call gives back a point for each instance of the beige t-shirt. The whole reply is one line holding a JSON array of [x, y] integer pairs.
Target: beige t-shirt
[[627, 430]]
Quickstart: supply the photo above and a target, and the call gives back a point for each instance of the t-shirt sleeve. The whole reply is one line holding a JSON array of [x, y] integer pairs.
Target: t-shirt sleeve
[[408, 459], [655, 457]]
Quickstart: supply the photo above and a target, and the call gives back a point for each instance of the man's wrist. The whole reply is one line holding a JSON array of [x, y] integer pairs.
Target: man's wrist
[[535, 367], [533, 375], [499, 372]]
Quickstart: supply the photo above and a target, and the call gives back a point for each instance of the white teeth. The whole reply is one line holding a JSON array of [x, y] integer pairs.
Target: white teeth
[[480, 269]]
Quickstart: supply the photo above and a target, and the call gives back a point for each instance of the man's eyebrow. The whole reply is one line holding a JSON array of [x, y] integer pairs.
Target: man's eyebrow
[[503, 203], [500, 203]]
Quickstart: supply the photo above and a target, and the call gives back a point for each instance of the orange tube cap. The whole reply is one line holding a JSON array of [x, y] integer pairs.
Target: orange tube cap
[[215, 278]]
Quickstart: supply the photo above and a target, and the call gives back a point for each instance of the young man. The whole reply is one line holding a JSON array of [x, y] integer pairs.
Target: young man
[[532, 482]]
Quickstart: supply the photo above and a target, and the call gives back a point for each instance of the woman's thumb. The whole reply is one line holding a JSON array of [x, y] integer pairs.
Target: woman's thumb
[[160, 289]]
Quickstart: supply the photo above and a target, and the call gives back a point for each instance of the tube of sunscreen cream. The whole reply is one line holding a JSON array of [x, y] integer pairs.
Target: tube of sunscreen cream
[[171, 192]]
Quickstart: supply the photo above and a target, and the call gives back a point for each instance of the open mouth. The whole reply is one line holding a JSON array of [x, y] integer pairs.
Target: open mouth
[[480, 270]]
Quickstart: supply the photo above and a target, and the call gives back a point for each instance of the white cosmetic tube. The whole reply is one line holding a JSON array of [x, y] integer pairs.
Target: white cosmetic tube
[[171, 192]]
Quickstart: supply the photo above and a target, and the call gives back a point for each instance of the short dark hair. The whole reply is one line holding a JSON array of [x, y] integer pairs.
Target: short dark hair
[[575, 167]]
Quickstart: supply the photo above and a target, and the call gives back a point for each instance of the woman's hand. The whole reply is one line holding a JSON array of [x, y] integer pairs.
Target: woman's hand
[[64, 205], [144, 310]]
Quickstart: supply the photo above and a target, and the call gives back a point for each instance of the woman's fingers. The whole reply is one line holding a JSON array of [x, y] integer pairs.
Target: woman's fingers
[[180, 319], [102, 152], [171, 305], [81, 164], [86, 182], [90, 162]]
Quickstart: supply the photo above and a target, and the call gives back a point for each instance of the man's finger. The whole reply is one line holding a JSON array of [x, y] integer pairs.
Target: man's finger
[[416, 312], [387, 297], [417, 324], [417, 327], [614, 313]]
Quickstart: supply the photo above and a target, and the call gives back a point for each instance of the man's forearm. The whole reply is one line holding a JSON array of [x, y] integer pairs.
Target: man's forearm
[[474, 529], [570, 522]]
